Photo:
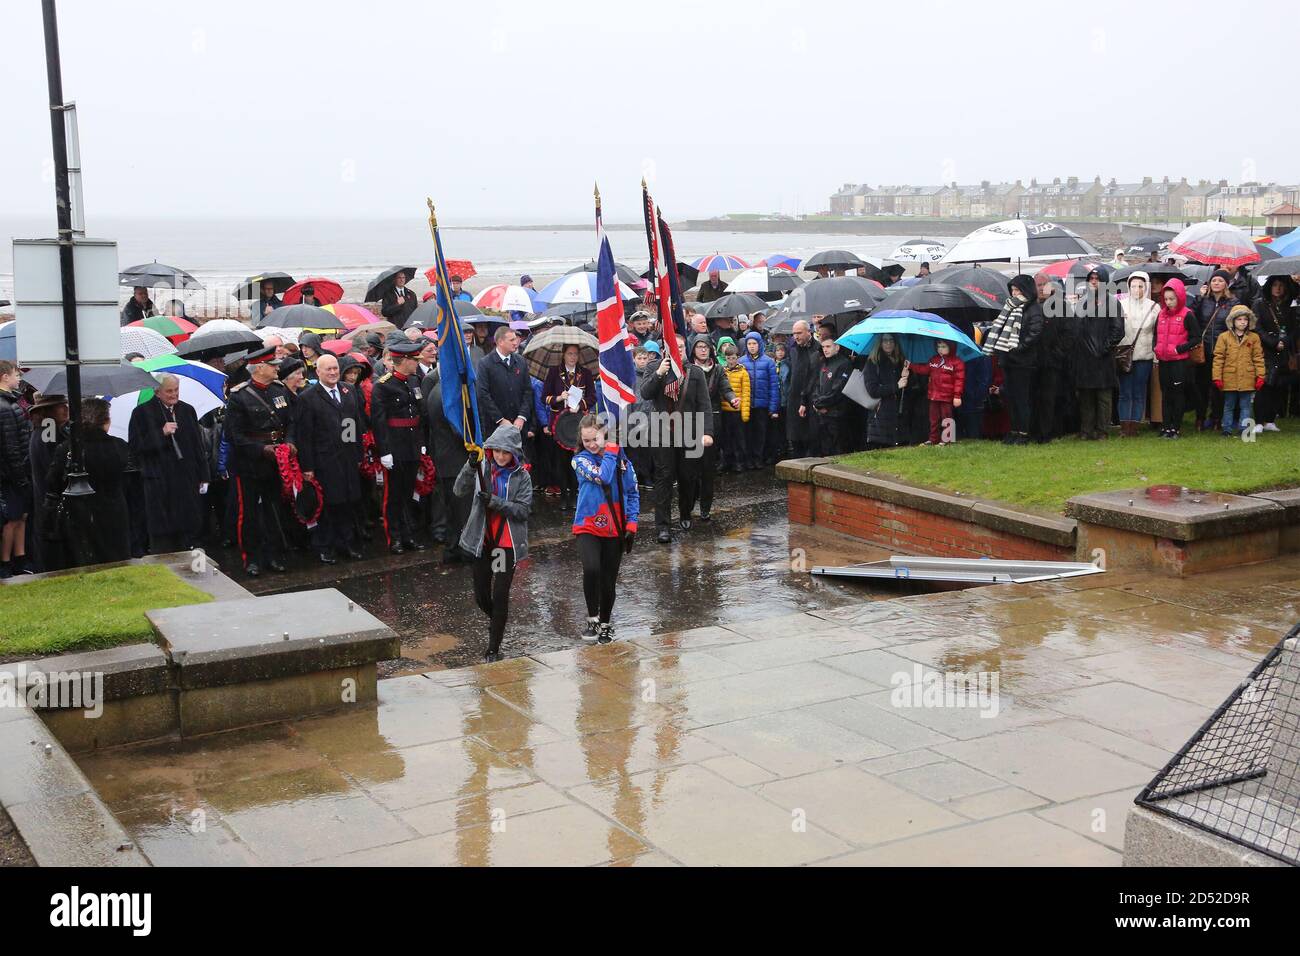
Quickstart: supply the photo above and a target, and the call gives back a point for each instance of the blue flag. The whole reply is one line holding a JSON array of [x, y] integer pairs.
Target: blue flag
[[455, 359]]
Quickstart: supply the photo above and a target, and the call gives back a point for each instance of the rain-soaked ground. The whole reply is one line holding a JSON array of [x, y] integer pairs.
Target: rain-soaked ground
[[749, 563]]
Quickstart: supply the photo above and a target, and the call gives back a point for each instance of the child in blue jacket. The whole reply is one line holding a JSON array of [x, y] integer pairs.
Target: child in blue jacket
[[604, 522], [764, 397]]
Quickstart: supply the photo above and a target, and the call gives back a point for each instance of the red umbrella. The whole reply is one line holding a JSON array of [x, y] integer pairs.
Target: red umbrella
[[455, 267], [173, 327], [1061, 269], [338, 346], [325, 291], [352, 316]]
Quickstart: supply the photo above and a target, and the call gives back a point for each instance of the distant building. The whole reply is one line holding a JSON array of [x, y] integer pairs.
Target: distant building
[[1245, 200], [1147, 201], [1195, 197], [842, 200], [1281, 219], [988, 200], [1071, 199]]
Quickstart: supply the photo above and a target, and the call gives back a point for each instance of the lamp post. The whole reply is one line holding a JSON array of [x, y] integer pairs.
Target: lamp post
[[78, 485]]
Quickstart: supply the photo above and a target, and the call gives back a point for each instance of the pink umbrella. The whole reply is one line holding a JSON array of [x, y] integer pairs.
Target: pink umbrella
[[1215, 243], [338, 346], [352, 316]]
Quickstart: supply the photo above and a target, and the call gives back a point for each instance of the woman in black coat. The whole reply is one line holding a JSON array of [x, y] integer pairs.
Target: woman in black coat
[[168, 446], [880, 376], [1097, 328], [1275, 321], [104, 457]]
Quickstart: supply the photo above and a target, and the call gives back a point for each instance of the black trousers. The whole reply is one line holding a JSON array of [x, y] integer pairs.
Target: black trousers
[[695, 484], [456, 508], [257, 519], [1207, 400], [756, 436], [600, 560], [1018, 386], [1046, 387], [494, 570], [832, 430], [335, 528], [667, 472], [399, 486], [1175, 380], [733, 440], [775, 445], [1094, 411]]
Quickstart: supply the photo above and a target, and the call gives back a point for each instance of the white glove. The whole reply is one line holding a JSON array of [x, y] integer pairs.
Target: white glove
[[203, 488], [387, 462], [423, 450]]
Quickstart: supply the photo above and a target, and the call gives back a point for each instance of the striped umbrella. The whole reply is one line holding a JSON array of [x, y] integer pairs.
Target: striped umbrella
[[202, 387], [324, 291], [1070, 268], [171, 327], [352, 316], [719, 262], [579, 287], [1215, 243], [781, 262], [503, 297], [546, 349], [146, 342]]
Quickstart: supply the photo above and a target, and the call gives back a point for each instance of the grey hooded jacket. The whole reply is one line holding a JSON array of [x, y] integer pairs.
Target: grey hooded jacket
[[515, 506]]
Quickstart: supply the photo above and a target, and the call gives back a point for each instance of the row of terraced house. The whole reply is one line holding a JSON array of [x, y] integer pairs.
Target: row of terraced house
[[1074, 198]]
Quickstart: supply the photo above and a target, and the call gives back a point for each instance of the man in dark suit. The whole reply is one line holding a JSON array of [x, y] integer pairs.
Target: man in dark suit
[[399, 302], [449, 456], [505, 389], [330, 423], [397, 420]]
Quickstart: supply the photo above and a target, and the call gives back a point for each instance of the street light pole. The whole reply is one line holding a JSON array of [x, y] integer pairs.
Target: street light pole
[[77, 484]]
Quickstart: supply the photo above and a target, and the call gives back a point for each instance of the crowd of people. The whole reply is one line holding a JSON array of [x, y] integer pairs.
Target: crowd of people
[[322, 453]]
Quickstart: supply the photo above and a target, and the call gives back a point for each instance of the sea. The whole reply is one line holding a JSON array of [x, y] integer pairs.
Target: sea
[[221, 253]]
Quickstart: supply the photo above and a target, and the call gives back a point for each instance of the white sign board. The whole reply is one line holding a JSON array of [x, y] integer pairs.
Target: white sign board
[[38, 302]]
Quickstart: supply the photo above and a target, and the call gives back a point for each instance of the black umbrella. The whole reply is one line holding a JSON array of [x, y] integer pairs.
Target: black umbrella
[[200, 347], [251, 288], [383, 283], [156, 275], [426, 313], [687, 274], [733, 304], [1154, 270], [1265, 253], [626, 273], [937, 297], [301, 316], [1288, 266], [108, 380], [571, 313], [834, 259], [833, 295], [989, 285], [1147, 245]]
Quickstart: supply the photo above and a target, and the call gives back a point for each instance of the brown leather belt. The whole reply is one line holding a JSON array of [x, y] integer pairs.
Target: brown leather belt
[[403, 422], [266, 436]]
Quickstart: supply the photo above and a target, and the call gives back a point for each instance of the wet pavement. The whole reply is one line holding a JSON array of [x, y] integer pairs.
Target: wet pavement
[[744, 564], [765, 738]]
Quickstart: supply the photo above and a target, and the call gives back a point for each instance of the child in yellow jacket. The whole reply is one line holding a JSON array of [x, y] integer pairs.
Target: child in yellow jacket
[[733, 419], [1238, 369]]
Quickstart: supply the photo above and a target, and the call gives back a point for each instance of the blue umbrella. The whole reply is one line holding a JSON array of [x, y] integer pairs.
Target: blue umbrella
[[1288, 244], [915, 332], [8, 344]]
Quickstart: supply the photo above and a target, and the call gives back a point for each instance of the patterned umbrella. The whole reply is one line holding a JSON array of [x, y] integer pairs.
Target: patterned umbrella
[[579, 287], [919, 250], [719, 262], [781, 262], [352, 316], [1215, 243], [141, 341], [507, 298], [325, 291], [546, 349], [202, 387], [1015, 239], [455, 267], [1070, 268]]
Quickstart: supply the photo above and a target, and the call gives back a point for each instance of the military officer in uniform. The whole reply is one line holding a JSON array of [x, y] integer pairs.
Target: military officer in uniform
[[397, 420], [259, 416]]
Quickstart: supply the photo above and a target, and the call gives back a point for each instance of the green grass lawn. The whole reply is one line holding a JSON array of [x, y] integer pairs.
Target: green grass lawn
[[83, 612], [1044, 476]]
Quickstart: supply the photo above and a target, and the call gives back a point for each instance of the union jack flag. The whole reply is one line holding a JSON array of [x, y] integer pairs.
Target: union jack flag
[[668, 292], [617, 371]]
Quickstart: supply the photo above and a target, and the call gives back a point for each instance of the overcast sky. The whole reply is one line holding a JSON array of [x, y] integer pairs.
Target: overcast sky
[[507, 111]]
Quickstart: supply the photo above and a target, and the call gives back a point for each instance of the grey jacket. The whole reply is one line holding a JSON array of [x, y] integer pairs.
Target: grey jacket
[[515, 506]]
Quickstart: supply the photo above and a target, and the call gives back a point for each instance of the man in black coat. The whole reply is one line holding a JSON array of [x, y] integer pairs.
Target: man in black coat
[[397, 420], [167, 443], [673, 445], [138, 307], [505, 389], [259, 416], [449, 456], [329, 423], [399, 302], [799, 424]]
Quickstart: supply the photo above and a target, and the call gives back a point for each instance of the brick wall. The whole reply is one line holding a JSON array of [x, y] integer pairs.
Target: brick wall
[[909, 530]]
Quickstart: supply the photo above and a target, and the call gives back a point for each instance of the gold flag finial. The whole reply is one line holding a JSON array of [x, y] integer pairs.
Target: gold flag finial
[[643, 182], [596, 190], [433, 219]]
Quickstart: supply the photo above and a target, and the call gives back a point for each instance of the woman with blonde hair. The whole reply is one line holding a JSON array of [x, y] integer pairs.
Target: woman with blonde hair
[[1135, 353]]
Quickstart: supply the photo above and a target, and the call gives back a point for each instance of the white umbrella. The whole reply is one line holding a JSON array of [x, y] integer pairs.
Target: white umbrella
[[284, 335], [145, 341], [1013, 240], [920, 250], [220, 325], [1215, 243], [762, 280]]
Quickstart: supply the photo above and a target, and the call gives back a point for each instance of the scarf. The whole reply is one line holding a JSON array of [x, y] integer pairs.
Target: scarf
[[1004, 335]]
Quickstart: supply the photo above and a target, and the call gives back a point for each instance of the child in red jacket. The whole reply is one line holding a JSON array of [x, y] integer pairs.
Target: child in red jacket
[[947, 379]]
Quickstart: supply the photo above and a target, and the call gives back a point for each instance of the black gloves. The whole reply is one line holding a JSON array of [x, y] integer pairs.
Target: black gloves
[[629, 539]]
